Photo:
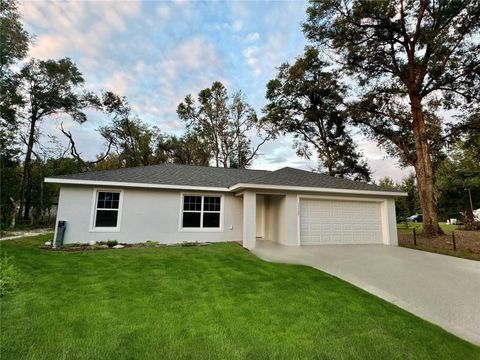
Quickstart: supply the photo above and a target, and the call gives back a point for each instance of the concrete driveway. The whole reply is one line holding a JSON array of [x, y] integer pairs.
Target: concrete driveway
[[441, 289]]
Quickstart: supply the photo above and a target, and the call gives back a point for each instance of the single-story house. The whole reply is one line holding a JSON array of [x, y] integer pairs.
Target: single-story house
[[172, 203]]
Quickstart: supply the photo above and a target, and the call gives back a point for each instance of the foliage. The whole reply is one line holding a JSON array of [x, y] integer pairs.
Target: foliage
[[9, 276], [307, 100], [131, 137], [459, 173], [188, 149], [223, 123], [410, 59], [151, 243], [207, 302], [405, 206], [14, 39]]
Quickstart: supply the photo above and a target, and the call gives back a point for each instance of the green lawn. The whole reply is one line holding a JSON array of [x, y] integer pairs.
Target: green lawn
[[447, 228], [211, 302]]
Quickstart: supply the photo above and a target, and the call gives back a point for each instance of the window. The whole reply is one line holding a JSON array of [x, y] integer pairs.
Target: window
[[202, 212], [107, 208]]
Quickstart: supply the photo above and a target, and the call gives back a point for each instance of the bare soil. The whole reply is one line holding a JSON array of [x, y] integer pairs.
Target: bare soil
[[467, 243]]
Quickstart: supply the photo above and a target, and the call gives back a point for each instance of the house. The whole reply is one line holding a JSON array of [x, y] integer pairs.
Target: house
[[172, 203]]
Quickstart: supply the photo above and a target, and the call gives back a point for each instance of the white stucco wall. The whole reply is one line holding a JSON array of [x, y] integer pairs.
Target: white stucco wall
[[147, 214], [282, 216], [154, 214]]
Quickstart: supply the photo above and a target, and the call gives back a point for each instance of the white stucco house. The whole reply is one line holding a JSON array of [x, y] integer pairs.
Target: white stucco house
[[175, 203]]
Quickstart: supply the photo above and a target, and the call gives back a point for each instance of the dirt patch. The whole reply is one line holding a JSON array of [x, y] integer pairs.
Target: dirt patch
[[467, 243]]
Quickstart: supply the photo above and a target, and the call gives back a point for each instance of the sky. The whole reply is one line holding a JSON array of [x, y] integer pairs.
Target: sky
[[157, 52]]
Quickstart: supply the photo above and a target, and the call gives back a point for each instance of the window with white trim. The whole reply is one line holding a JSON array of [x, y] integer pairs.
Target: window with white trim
[[107, 209], [201, 211]]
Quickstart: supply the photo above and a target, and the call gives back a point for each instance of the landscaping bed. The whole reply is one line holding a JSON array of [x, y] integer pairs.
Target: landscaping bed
[[112, 245]]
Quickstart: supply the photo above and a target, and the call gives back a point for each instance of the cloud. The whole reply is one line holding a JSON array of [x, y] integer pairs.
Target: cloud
[[237, 25], [119, 83], [163, 11], [251, 58], [252, 37], [62, 25], [192, 54]]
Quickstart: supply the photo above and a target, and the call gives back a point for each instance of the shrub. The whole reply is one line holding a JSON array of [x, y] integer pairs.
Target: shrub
[[8, 276], [109, 243], [112, 243], [151, 243], [188, 244]]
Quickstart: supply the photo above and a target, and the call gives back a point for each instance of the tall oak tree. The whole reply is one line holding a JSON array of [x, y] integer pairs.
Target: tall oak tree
[[410, 59]]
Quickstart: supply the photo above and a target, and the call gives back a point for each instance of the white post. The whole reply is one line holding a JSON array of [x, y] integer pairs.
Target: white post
[[249, 219]]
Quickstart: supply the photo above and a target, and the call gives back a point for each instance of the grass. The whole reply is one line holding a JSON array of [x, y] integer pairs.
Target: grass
[[209, 302], [403, 227]]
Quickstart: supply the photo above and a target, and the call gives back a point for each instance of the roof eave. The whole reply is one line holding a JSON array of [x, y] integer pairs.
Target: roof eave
[[235, 188], [133, 185], [244, 186]]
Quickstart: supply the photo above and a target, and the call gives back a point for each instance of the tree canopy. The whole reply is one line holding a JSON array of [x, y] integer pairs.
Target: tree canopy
[[307, 101], [224, 122], [410, 59]]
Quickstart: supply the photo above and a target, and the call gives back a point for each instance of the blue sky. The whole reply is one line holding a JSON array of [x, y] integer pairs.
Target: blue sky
[[156, 52]]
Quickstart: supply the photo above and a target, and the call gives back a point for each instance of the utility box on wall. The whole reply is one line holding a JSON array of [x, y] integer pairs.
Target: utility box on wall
[[61, 227]]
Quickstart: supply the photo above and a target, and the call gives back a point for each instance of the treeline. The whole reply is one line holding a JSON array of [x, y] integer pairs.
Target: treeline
[[389, 72]]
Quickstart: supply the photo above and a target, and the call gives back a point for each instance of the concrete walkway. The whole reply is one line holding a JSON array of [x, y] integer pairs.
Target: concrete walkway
[[441, 289]]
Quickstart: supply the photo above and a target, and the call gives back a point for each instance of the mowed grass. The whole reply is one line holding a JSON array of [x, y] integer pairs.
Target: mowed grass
[[408, 227], [210, 302]]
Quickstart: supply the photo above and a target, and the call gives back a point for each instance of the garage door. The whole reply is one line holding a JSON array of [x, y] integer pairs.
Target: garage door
[[339, 222]]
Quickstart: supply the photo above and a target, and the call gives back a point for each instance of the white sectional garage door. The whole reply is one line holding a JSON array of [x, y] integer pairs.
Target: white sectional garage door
[[340, 222]]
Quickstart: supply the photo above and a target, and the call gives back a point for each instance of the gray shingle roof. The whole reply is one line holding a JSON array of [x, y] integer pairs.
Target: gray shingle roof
[[172, 174], [202, 176], [295, 177]]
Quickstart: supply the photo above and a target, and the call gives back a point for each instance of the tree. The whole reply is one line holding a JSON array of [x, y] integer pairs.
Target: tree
[[224, 123], [14, 40], [14, 43], [46, 88], [410, 59], [306, 100], [188, 149], [387, 183], [131, 137], [459, 174], [408, 205]]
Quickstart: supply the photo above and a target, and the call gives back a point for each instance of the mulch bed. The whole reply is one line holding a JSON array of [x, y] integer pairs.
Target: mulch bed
[[467, 242], [87, 247]]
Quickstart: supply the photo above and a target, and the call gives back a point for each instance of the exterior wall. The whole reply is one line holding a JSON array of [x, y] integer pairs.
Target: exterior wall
[[274, 210], [392, 238], [260, 217], [154, 214], [282, 216], [147, 214]]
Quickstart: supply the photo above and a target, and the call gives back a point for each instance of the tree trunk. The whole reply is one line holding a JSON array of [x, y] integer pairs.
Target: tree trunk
[[26, 181], [15, 210], [424, 170]]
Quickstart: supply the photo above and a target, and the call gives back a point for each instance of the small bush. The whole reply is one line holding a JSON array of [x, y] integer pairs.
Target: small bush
[[151, 243], [188, 244], [8, 276], [112, 243]]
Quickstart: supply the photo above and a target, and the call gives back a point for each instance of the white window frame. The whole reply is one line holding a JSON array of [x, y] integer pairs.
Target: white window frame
[[93, 216], [201, 228]]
